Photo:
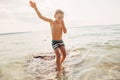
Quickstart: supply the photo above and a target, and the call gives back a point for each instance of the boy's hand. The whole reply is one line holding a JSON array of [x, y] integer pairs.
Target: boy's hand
[[64, 28], [32, 4]]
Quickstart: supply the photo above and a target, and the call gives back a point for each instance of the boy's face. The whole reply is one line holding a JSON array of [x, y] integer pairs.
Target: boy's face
[[59, 17]]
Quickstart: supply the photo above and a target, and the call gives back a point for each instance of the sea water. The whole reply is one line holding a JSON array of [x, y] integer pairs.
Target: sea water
[[93, 53]]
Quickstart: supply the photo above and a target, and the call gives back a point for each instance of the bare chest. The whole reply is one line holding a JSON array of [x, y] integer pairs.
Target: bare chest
[[57, 26]]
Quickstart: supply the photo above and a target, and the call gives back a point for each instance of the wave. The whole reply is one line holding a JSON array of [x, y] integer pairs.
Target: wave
[[11, 33]]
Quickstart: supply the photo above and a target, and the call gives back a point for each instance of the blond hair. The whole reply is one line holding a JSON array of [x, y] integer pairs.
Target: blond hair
[[59, 11]]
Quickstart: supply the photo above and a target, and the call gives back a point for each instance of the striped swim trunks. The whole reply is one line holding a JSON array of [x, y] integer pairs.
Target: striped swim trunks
[[57, 44]]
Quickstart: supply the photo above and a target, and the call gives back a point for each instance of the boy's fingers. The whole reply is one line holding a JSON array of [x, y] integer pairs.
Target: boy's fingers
[[32, 4], [30, 1]]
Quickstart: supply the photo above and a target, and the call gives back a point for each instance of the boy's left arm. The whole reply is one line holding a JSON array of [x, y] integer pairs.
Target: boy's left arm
[[64, 28]]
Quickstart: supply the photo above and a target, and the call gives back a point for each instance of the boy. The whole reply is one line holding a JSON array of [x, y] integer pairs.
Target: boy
[[57, 27]]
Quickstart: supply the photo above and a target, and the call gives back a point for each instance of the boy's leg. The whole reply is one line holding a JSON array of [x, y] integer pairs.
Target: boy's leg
[[57, 58], [63, 52]]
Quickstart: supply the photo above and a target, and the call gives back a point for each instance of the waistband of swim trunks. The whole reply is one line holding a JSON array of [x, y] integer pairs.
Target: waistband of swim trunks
[[57, 40]]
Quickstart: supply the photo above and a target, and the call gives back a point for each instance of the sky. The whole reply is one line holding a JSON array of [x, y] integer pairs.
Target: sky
[[18, 16]]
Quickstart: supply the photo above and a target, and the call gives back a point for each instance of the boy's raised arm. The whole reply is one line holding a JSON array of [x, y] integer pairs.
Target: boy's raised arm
[[33, 5]]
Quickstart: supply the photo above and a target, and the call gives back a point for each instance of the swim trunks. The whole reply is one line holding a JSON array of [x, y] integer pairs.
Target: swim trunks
[[57, 44]]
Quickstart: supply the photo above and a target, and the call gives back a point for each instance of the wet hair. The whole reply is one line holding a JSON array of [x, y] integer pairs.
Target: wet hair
[[59, 11]]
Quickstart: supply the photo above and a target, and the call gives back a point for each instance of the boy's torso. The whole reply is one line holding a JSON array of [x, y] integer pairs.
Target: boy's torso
[[56, 31]]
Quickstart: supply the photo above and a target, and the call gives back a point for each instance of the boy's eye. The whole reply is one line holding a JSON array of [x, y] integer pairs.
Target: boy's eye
[[60, 17]]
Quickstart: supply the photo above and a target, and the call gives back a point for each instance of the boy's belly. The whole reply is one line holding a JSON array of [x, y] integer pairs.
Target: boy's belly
[[56, 33], [56, 36]]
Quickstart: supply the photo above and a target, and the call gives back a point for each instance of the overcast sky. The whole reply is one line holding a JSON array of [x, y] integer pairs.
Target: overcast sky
[[16, 15]]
